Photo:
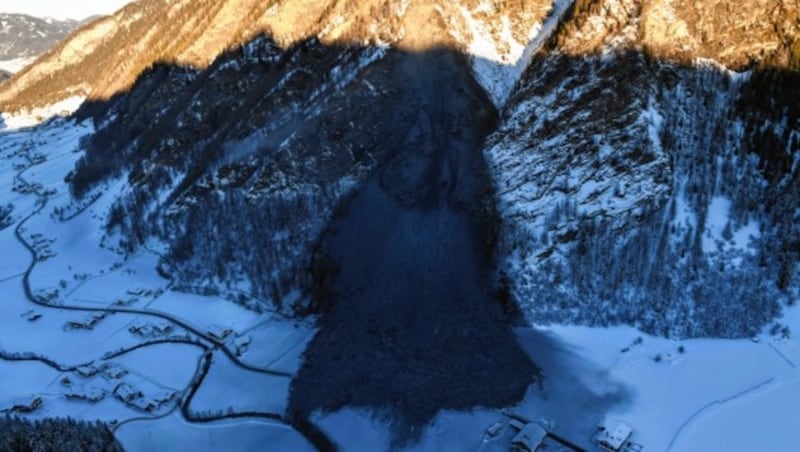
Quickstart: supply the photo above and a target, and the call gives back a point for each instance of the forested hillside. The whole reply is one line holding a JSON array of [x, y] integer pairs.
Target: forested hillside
[[22, 435]]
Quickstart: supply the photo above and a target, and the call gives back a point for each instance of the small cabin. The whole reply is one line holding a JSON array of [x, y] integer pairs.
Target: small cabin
[[242, 343], [220, 332], [115, 373], [615, 437], [494, 430], [126, 393]]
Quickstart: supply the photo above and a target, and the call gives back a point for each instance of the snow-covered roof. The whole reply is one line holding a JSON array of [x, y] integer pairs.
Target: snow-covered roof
[[127, 393], [613, 436], [530, 436]]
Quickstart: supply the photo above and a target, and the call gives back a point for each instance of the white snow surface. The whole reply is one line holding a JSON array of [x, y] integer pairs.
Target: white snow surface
[[40, 114], [173, 434], [708, 385], [15, 65]]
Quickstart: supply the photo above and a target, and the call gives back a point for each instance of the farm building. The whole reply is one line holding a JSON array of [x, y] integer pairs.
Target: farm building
[[529, 438], [518, 433], [615, 437]]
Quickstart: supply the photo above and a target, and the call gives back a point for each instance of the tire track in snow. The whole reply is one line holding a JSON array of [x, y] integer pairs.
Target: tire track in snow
[[715, 403]]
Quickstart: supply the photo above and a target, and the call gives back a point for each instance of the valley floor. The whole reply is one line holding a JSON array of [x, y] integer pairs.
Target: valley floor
[[107, 339]]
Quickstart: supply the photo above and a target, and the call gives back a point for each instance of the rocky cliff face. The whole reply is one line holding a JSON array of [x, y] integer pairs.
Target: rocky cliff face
[[644, 165], [735, 35], [639, 177]]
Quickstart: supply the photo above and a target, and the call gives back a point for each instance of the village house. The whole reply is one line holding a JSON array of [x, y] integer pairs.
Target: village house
[[615, 437], [220, 332], [529, 438]]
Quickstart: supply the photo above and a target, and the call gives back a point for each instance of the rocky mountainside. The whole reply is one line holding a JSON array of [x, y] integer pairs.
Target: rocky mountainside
[[23, 36], [270, 131], [643, 169], [108, 55], [647, 173]]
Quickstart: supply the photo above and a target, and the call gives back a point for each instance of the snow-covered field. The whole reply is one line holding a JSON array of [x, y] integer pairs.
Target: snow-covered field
[[174, 433], [711, 394], [108, 339], [137, 366], [691, 395]]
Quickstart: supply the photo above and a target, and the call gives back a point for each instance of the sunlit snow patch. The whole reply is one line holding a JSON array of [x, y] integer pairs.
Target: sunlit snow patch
[[720, 233], [498, 62], [15, 65], [38, 115]]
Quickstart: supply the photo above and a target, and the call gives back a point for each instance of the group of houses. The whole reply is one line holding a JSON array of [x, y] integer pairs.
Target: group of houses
[[519, 434]]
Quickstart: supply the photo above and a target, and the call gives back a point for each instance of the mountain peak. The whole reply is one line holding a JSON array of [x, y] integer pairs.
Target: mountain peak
[[106, 56], [24, 36]]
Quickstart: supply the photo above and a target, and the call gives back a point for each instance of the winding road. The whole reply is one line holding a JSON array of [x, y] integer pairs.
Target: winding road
[[302, 425]]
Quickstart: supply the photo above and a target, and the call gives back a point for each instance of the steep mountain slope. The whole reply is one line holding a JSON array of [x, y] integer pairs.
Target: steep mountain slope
[[273, 130], [642, 184], [24, 37], [632, 166], [108, 55]]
